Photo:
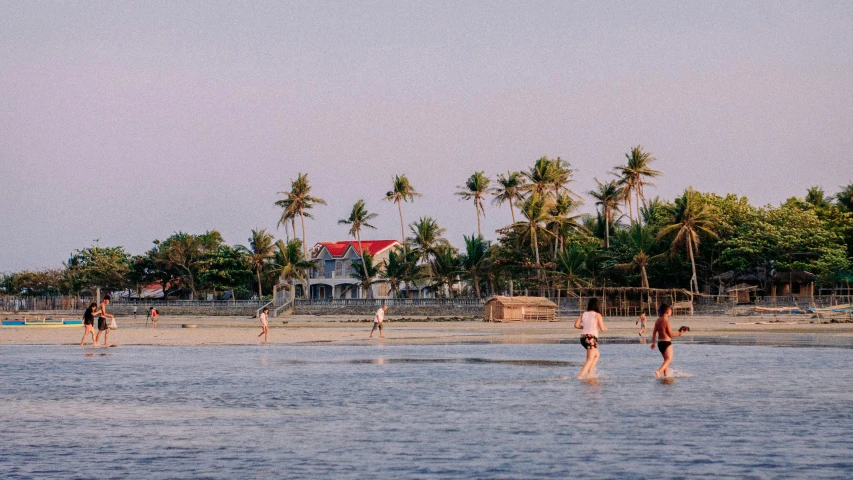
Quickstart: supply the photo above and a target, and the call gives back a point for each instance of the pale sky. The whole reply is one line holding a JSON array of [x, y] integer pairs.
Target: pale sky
[[127, 122]]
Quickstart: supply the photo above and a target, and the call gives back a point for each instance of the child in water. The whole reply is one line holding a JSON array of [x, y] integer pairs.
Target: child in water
[[642, 322], [664, 334]]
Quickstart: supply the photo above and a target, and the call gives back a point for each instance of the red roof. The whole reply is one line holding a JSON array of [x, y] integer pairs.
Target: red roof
[[373, 247]]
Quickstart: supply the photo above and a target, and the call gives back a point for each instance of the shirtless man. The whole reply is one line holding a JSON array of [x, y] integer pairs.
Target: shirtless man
[[103, 316], [664, 334]]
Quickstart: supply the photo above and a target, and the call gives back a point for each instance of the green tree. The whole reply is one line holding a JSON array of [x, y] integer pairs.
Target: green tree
[[816, 198], [297, 202], [289, 264], [690, 217], [445, 266], [607, 196], [535, 211], [510, 190], [226, 268], [543, 175], [571, 265], [261, 248], [403, 191], [632, 178], [183, 254], [426, 237], [359, 218], [475, 188], [844, 199], [401, 266], [642, 244], [475, 261], [367, 273], [563, 219], [100, 267]]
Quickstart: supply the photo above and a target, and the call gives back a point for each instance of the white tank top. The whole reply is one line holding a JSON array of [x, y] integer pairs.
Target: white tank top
[[589, 323]]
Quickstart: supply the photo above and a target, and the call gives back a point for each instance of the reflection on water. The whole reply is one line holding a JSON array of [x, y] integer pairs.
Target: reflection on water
[[451, 411]]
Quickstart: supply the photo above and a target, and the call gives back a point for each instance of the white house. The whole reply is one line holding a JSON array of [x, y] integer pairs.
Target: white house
[[332, 277]]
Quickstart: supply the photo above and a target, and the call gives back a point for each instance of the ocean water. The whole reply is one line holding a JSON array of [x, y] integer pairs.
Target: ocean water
[[456, 411]]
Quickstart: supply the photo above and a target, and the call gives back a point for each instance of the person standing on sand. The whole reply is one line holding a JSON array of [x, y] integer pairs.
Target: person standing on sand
[[154, 316], [103, 316], [591, 322], [377, 321], [664, 334], [642, 322], [89, 323], [265, 325], [134, 311]]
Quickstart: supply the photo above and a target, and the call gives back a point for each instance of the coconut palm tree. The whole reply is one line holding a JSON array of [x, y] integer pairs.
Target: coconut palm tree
[[296, 202], [844, 198], [643, 244], [563, 219], [543, 175], [510, 189], [475, 188], [816, 198], [445, 266], [653, 209], [561, 176], [367, 273], [290, 264], [535, 212], [395, 268], [607, 196], [261, 248], [402, 192], [632, 178], [359, 218], [426, 237], [690, 218], [571, 264], [474, 262]]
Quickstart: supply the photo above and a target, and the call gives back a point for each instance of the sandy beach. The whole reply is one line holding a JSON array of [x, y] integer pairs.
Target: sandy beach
[[354, 330]]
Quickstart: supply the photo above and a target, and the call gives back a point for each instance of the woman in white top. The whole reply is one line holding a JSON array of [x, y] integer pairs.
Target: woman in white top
[[590, 322], [265, 325]]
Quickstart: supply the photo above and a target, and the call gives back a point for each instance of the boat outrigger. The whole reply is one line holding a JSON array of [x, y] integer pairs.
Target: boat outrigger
[[42, 322]]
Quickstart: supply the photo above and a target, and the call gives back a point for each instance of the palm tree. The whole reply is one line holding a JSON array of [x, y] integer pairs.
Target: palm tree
[[367, 275], [510, 189], [561, 176], [402, 192], [395, 269], [261, 248], [426, 237], [474, 262], [642, 243], [445, 265], [296, 202], [535, 213], [359, 218], [542, 175], [607, 196], [816, 198], [475, 188], [571, 264], [562, 221], [290, 264], [632, 177], [690, 217], [652, 210], [844, 198]]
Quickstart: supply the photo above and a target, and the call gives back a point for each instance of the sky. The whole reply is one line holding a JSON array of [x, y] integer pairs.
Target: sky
[[125, 122]]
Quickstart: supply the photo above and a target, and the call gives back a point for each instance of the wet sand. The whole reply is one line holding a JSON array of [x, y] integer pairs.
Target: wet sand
[[354, 330]]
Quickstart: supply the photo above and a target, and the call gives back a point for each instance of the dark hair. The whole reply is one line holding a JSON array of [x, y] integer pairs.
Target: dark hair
[[593, 306], [663, 308], [93, 304], [107, 297], [265, 309]]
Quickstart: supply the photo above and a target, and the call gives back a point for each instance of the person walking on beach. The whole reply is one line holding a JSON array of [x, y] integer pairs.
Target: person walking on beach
[[154, 317], [642, 322], [89, 323], [664, 335], [103, 316], [377, 321], [265, 325], [134, 311], [590, 322]]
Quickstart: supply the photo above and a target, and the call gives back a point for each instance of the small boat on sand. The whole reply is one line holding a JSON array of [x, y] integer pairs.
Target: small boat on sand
[[42, 322]]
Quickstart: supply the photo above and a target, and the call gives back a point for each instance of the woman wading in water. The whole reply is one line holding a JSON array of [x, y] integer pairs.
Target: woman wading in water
[[590, 322]]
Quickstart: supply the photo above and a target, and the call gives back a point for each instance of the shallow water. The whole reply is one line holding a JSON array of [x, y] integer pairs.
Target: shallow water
[[457, 411]]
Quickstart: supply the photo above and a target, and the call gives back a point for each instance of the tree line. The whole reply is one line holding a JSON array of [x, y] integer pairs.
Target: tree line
[[631, 240]]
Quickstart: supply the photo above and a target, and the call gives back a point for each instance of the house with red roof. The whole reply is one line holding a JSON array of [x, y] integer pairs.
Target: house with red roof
[[332, 277]]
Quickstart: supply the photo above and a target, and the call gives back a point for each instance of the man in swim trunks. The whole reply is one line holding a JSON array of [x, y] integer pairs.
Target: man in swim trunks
[[103, 317], [664, 335]]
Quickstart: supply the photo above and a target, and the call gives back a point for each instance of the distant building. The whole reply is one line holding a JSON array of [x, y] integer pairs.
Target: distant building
[[332, 276]]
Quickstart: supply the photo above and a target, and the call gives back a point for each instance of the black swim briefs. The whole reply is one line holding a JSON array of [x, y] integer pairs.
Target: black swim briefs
[[663, 345]]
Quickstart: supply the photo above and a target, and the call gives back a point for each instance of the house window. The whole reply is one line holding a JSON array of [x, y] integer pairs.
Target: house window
[[795, 288], [321, 291], [339, 268]]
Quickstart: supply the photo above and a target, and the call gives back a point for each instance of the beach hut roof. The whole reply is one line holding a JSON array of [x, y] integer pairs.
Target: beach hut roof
[[792, 275], [523, 301], [741, 287]]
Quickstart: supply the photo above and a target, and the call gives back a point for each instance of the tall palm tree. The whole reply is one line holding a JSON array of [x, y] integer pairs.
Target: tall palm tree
[[426, 237], [632, 178], [561, 176], [396, 267], [535, 212], [543, 175], [290, 264], [368, 274], [816, 198], [653, 209], [475, 188], [474, 262], [261, 248], [690, 218], [445, 266], [607, 196], [571, 264], [844, 198], [296, 202], [359, 218], [510, 189], [402, 192]]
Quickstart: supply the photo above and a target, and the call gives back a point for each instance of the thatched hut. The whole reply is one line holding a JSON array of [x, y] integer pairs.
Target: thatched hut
[[795, 283], [520, 309]]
